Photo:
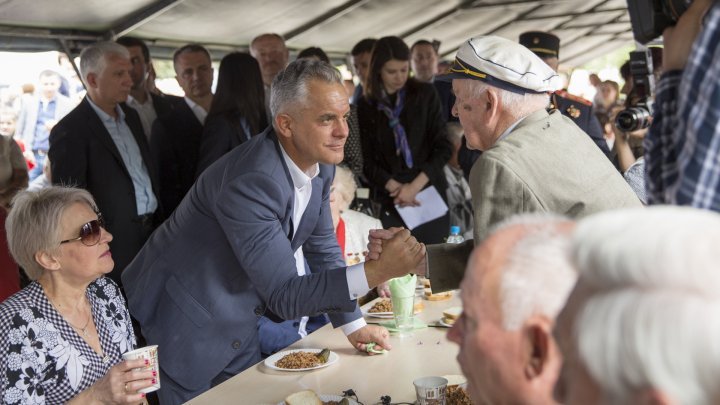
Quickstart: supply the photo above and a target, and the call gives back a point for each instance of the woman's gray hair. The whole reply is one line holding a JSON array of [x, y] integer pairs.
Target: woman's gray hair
[[92, 58], [651, 316], [290, 86], [345, 185], [33, 224]]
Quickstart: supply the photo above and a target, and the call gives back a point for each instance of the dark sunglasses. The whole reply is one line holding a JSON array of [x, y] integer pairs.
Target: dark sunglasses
[[89, 233]]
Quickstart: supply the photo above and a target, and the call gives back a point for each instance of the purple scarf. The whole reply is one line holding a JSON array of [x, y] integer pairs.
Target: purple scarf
[[401, 142]]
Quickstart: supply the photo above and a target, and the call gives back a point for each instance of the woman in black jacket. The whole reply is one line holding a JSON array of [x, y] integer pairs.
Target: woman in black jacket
[[403, 137], [237, 111]]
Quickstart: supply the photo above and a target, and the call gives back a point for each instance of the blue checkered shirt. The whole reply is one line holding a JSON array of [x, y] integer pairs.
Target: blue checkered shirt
[[682, 149]]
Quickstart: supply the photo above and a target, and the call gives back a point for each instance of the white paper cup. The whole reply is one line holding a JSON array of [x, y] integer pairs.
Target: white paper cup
[[149, 353], [430, 390]]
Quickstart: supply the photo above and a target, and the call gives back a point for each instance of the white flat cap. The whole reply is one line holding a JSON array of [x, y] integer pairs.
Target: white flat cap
[[503, 63]]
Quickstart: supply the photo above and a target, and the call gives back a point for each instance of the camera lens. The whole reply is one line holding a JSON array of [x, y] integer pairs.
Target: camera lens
[[632, 119]]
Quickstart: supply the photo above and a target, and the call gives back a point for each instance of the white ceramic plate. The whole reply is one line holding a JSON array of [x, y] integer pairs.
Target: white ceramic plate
[[270, 361], [328, 398], [383, 315]]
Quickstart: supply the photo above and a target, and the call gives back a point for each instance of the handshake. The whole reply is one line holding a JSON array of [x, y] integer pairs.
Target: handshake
[[392, 253]]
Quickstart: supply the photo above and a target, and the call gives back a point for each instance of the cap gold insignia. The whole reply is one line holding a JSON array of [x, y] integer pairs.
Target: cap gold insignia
[[573, 112], [536, 40]]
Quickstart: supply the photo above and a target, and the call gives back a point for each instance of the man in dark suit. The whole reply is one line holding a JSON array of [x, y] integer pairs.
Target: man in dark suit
[[175, 141], [236, 247], [100, 146], [148, 105], [579, 110]]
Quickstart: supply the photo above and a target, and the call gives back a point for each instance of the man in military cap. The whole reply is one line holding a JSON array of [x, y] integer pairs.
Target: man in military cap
[[533, 160], [547, 47]]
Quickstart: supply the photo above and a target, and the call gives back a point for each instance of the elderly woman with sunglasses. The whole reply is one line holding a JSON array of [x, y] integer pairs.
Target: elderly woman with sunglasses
[[62, 337]]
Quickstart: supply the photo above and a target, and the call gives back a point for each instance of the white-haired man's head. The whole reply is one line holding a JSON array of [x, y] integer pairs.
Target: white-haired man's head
[[643, 323], [515, 284]]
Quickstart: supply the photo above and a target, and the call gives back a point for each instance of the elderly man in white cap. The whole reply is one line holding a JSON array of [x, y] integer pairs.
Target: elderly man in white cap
[[533, 160]]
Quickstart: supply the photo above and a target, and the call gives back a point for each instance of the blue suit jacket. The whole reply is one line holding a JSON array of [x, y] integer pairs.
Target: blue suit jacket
[[225, 258]]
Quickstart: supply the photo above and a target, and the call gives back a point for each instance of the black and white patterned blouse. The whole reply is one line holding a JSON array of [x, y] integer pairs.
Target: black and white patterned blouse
[[43, 360]]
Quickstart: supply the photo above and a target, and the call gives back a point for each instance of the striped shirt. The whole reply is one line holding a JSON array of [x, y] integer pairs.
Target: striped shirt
[[683, 145]]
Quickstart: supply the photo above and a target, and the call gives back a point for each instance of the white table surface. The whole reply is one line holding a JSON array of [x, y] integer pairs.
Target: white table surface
[[426, 353]]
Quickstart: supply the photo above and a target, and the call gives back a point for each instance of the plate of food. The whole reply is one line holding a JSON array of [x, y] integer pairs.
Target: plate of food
[[310, 397], [383, 309], [450, 315], [456, 393], [301, 359]]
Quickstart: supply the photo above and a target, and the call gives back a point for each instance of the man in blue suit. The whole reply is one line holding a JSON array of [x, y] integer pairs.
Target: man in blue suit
[[235, 247]]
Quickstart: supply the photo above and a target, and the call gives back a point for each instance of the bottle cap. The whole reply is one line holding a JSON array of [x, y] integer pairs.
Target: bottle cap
[[454, 230]]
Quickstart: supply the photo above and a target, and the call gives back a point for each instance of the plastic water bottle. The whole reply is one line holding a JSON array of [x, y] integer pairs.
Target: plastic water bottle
[[455, 236]]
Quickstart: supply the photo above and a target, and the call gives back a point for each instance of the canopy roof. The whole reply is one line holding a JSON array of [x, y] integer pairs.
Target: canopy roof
[[587, 28]]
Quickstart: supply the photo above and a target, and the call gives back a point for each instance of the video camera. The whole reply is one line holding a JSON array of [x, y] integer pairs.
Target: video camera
[[638, 108], [649, 18]]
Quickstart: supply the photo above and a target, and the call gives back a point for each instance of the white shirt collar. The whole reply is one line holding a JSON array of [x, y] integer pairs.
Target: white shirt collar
[[133, 100], [300, 179], [105, 116], [197, 109]]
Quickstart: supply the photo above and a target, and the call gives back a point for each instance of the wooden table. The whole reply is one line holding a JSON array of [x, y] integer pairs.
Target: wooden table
[[426, 353]]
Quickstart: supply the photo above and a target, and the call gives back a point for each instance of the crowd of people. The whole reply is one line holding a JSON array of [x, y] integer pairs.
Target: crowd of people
[[220, 226]]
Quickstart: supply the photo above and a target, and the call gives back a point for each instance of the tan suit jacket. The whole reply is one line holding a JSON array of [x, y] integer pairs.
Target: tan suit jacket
[[546, 164]]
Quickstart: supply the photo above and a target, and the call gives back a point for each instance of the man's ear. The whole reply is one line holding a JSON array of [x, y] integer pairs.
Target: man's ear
[[283, 125], [91, 80], [47, 260], [540, 347], [492, 103]]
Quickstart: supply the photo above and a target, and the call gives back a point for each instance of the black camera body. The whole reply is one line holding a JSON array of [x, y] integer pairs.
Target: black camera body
[[638, 108], [649, 18]]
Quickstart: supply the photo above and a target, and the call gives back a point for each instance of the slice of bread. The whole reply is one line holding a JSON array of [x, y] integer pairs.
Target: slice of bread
[[306, 397], [452, 313], [439, 296]]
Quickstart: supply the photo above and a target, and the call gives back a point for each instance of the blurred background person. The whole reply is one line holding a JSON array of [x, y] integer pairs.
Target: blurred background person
[[63, 336], [642, 324], [44, 180], [403, 136], [176, 136], [38, 116], [13, 178], [608, 97], [424, 61], [351, 227], [459, 197], [273, 55], [237, 111], [313, 52], [360, 63], [13, 170]]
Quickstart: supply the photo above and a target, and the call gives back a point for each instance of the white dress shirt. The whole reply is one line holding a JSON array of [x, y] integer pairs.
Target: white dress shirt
[[146, 111], [357, 282]]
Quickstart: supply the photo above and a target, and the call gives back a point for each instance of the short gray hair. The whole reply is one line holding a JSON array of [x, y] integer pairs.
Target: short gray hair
[[345, 185], [92, 58], [651, 317], [518, 105], [290, 86], [538, 275], [33, 224]]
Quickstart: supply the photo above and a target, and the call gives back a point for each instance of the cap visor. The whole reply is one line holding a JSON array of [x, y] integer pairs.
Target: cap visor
[[448, 77]]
